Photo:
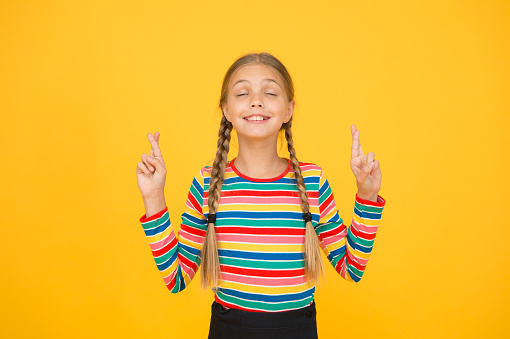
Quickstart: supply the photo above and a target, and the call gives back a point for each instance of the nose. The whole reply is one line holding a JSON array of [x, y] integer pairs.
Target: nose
[[256, 102]]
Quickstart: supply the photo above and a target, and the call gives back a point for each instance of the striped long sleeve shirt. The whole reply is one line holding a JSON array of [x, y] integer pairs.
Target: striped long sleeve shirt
[[260, 233]]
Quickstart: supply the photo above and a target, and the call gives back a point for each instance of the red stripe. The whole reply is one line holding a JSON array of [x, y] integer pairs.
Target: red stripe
[[354, 263], [359, 234], [165, 249], [263, 273], [194, 202], [184, 260], [326, 203], [333, 232], [172, 284], [339, 264], [250, 193], [259, 230], [192, 230]]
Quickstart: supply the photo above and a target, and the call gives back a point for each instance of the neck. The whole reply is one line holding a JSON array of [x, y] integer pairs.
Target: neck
[[259, 159]]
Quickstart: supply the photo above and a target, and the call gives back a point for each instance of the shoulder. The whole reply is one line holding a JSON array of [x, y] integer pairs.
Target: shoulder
[[202, 176], [310, 169]]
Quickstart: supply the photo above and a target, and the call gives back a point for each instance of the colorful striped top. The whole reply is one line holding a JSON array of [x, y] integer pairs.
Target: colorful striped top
[[260, 233]]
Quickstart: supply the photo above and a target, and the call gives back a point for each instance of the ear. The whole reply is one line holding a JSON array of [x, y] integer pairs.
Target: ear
[[288, 113], [225, 112]]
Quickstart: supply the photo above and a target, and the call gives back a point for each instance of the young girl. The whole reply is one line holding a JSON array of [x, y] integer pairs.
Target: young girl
[[255, 224]]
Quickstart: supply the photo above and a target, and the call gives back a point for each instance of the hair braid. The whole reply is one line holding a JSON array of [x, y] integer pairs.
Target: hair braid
[[313, 262], [210, 258]]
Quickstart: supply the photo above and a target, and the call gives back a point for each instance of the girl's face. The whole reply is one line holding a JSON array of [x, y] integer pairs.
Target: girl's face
[[257, 104]]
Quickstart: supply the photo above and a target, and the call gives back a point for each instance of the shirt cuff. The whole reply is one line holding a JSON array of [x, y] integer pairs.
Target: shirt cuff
[[380, 201], [153, 217]]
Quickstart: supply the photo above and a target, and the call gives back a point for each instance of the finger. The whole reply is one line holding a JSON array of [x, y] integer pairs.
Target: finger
[[371, 157], [156, 136], [360, 150], [141, 168], [376, 164], [145, 161], [155, 151], [355, 143]]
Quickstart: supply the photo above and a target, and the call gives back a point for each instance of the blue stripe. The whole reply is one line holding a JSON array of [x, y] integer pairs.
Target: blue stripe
[[367, 215], [268, 298], [323, 188], [159, 229], [197, 186], [189, 249], [270, 256], [192, 219], [167, 263], [355, 245], [353, 276], [339, 251], [264, 215]]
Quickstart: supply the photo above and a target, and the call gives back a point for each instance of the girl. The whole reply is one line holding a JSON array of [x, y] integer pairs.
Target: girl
[[255, 224]]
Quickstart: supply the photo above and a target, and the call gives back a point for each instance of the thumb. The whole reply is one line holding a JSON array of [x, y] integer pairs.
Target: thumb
[[158, 164], [364, 173]]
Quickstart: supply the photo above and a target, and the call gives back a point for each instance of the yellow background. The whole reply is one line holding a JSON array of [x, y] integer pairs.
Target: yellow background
[[427, 83]]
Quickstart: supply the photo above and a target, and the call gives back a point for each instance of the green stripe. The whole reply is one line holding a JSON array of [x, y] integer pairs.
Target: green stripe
[[163, 258], [328, 227], [365, 242], [196, 194], [184, 253], [337, 258], [366, 208], [325, 195], [154, 223], [355, 271], [361, 241]]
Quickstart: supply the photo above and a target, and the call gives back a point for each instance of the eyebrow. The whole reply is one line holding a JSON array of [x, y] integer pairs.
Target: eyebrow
[[266, 79]]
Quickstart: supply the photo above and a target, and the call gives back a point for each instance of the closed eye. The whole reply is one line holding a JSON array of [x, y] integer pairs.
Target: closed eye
[[271, 94], [241, 94]]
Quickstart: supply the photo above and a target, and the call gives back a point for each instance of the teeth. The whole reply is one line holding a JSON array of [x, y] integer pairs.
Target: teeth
[[255, 118]]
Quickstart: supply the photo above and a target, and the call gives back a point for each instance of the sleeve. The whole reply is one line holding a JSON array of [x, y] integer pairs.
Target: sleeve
[[347, 248], [178, 258]]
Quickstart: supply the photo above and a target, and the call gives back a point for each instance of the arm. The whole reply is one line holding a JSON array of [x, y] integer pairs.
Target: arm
[[178, 258], [348, 248]]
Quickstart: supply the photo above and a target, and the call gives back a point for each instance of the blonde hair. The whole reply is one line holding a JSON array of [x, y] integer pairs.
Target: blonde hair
[[210, 258]]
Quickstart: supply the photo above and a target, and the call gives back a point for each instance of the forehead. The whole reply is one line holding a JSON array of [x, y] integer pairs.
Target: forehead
[[256, 73]]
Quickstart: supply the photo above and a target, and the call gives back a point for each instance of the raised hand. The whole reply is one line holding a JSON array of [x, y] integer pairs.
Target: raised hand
[[365, 169], [151, 171]]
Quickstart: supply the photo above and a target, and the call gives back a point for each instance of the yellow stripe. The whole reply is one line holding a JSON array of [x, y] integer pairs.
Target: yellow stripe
[[190, 243], [336, 245], [157, 237], [194, 213], [367, 222], [358, 253]]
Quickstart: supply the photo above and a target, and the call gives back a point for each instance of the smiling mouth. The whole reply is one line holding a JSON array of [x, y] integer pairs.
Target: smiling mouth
[[256, 118]]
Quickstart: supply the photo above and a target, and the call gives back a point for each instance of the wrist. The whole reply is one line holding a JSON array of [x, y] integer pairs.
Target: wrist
[[154, 204], [367, 196]]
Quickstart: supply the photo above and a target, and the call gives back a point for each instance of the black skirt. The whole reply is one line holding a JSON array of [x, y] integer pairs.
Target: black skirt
[[233, 323]]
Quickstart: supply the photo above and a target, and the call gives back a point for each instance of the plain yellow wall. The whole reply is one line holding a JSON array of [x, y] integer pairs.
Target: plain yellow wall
[[427, 83]]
